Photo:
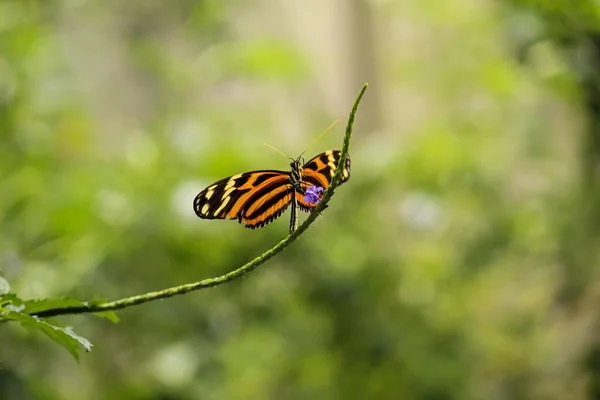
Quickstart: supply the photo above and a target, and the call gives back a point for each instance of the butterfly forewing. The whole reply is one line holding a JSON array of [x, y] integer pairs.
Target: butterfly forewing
[[258, 197], [241, 196]]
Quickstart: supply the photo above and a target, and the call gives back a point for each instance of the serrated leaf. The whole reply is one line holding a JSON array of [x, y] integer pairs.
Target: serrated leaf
[[64, 336], [109, 315], [10, 299], [38, 305], [4, 286]]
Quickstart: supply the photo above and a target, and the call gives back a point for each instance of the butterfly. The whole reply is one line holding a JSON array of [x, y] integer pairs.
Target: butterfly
[[257, 198]]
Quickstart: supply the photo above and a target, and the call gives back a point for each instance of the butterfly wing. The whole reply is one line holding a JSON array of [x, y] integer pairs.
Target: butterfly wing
[[254, 198], [319, 171], [265, 206]]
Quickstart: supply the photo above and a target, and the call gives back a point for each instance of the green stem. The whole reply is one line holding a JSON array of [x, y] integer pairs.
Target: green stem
[[210, 282]]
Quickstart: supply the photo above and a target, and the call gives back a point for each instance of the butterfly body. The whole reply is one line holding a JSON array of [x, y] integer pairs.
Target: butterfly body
[[258, 197]]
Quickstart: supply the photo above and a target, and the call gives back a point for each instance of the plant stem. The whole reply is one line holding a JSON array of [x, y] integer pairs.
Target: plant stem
[[244, 269]]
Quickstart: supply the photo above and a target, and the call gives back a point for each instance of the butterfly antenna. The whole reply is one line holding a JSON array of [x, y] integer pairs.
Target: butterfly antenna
[[277, 150], [321, 135]]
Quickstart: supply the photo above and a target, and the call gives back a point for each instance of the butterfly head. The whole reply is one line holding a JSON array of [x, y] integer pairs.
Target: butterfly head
[[297, 163]]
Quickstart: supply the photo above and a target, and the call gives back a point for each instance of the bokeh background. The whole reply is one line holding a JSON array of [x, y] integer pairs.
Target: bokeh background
[[459, 262]]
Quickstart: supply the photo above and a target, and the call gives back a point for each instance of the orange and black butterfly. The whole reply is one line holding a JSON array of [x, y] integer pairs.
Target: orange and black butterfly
[[258, 197]]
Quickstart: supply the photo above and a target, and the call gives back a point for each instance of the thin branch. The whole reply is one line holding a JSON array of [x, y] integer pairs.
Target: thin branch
[[210, 282]]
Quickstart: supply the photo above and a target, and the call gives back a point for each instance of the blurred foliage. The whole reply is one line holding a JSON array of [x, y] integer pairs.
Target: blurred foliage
[[440, 269]]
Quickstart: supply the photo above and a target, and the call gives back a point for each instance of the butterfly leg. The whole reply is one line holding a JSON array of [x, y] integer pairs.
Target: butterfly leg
[[294, 215]]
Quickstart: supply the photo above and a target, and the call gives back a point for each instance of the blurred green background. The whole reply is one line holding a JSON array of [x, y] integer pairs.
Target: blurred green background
[[459, 262]]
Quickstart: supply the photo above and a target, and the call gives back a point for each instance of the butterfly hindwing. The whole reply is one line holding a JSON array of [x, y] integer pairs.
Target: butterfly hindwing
[[319, 171], [263, 207]]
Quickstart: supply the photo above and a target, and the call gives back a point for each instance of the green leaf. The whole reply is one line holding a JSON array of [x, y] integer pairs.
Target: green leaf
[[109, 315], [63, 336], [9, 299], [14, 309], [39, 305]]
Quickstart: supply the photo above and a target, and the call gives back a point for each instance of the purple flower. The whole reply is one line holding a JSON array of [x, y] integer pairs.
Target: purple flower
[[313, 194]]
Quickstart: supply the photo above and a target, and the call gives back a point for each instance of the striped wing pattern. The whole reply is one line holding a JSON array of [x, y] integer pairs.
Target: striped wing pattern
[[319, 171], [256, 198]]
